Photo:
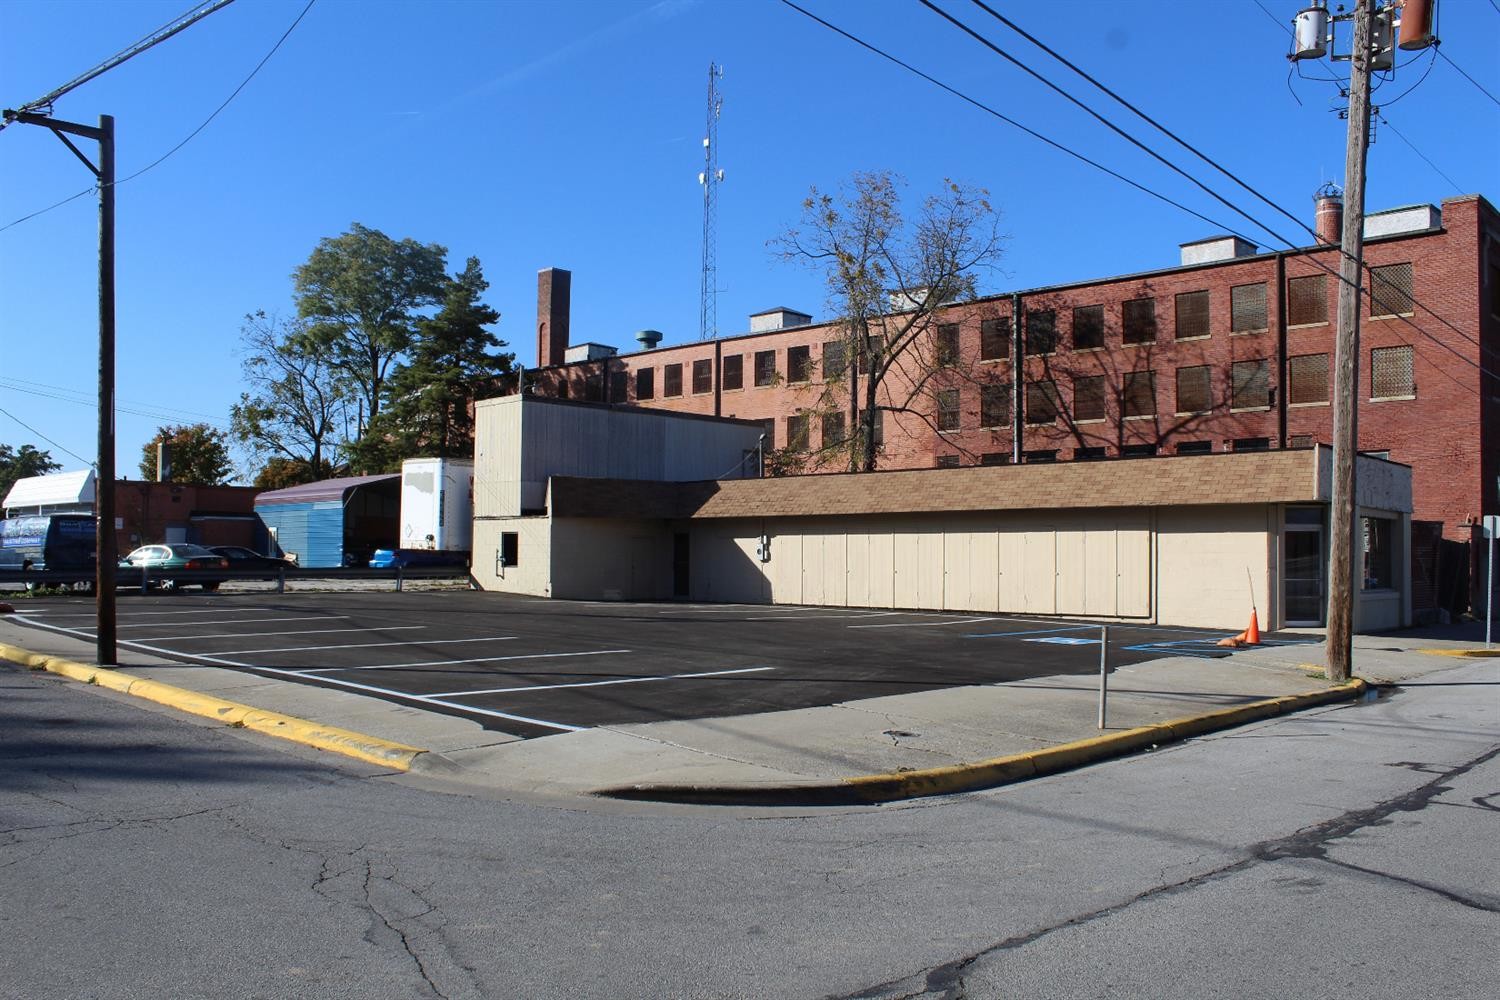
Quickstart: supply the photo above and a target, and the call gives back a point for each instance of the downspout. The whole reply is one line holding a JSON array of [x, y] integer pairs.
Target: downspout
[[718, 378], [1281, 350], [1017, 381]]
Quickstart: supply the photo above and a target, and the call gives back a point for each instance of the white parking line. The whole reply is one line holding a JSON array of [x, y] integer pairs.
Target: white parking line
[[366, 645], [448, 663], [793, 618], [951, 621], [143, 614], [256, 635], [247, 621], [585, 684]]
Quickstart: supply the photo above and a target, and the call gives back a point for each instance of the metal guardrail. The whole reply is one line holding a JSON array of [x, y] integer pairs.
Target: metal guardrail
[[131, 578]]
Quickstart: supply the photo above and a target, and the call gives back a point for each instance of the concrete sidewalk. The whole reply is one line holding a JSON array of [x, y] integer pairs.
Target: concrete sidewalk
[[923, 743]]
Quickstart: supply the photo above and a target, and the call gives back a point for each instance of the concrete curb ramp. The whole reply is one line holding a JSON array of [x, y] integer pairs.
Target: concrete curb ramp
[[876, 788], [370, 749]]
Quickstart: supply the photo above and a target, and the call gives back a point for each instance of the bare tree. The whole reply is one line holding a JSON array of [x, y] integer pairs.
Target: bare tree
[[889, 279], [296, 407]]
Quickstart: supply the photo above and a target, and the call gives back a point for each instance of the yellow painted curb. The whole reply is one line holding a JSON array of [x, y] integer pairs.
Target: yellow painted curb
[[954, 778], [1460, 652], [370, 749]]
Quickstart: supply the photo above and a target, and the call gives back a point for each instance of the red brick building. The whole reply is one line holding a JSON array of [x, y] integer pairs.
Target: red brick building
[[1232, 350]]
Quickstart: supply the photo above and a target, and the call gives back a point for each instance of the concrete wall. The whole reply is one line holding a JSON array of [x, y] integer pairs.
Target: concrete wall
[[609, 560], [534, 571], [1210, 559]]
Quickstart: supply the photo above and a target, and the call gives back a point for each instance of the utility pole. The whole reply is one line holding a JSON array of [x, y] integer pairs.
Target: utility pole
[[104, 475], [1343, 519]]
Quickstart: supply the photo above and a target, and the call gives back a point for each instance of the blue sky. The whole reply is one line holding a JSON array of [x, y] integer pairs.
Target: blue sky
[[568, 134]]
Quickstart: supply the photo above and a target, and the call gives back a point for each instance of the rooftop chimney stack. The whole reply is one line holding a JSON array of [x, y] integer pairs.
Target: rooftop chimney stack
[[554, 288], [1329, 222]]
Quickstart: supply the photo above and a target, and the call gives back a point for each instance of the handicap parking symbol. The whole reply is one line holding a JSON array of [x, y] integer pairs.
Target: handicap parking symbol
[[1066, 640]]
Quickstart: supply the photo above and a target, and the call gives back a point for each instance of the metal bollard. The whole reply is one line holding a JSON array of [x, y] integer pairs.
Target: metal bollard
[[281, 579], [145, 580], [1103, 671], [398, 579]]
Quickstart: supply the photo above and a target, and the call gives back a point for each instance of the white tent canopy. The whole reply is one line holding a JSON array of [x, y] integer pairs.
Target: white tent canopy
[[65, 492]]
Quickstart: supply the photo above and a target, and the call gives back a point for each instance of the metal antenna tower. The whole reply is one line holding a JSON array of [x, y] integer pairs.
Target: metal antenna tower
[[710, 178]]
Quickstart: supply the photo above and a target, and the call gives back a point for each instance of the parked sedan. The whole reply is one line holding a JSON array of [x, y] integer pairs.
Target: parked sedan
[[159, 560], [242, 558]]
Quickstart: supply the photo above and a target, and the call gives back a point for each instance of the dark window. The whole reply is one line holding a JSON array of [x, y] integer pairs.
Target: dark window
[[874, 351], [619, 383], [593, 387], [1307, 379], [1247, 308], [796, 432], [1300, 441], [995, 458], [947, 410], [835, 359], [1088, 397], [947, 461], [1307, 300], [1195, 389], [765, 367], [994, 405], [562, 390], [1137, 450], [733, 374], [1195, 447], [947, 344], [1138, 321], [1090, 454], [1088, 327], [671, 380], [1192, 315], [768, 426], [1250, 384], [833, 429], [994, 339], [1379, 549], [1041, 402], [645, 383], [1138, 397], [1252, 444], [798, 364], [703, 375], [510, 548], [1390, 290], [1041, 455], [1041, 331], [879, 429], [1391, 372]]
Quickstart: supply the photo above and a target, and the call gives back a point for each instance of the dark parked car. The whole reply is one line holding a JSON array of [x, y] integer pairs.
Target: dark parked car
[[242, 558], [159, 560]]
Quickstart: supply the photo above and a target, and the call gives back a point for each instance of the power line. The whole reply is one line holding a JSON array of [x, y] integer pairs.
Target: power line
[[1005, 118], [191, 135], [1387, 123], [86, 461], [1466, 76], [159, 412]]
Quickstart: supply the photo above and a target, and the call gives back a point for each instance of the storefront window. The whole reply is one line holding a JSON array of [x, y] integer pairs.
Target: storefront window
[[1378, 562]]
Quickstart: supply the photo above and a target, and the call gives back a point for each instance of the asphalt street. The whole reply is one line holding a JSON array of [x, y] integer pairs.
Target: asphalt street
[[1346, 852], [533, 668]]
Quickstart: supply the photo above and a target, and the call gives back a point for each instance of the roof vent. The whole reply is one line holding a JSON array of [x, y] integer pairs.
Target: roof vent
[[1216, 248], [588, 352], [779, 318], [649, 339]]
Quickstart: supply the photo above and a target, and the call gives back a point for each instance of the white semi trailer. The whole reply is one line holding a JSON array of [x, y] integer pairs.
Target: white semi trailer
[[437, 505]]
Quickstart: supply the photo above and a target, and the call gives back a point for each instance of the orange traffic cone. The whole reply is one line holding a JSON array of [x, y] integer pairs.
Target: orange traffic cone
[[1251, 635]]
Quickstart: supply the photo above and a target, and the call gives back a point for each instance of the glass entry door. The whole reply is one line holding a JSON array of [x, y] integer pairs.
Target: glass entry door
[[1303, 567]]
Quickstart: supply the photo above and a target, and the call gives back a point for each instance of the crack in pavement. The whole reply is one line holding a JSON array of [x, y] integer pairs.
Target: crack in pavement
[[946, 981]]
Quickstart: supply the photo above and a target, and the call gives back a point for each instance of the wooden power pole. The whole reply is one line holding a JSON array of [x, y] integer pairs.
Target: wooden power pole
[[1343, 519]]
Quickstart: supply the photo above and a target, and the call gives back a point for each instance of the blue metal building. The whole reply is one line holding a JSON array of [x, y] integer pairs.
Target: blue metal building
[[336, 522]]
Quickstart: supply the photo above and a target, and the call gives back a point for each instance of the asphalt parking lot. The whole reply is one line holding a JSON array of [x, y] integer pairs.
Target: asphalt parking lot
[[535, 667]]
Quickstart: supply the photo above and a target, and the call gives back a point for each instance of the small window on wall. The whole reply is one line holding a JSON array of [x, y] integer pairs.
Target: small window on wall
[[1192, 315], [1089, 454], [1041, 455], [994, 339], [833, 429], [645, 383], [1088, 327], [947, 461], [994, 405], [1041, 331], [733, 374], [1138, 450], [510, 548], [995, 458], [1195, 389], [1378, 538], [1307, 300], [1250, 386], [1390, 291], [874, 351], [796, 432], [1307, 379], [947, 410], [1138, 324], [703, 376], [1139, 396], [765, 367], [768, 428], [671, 380], [835, 359], [1041, 402], [1391, 375], [798, 364], [1252, 444], [1247, 308], [1195, 447], [1088, 397], [947, 344]]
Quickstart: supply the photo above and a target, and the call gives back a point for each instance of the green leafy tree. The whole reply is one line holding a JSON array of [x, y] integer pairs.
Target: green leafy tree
[[889, 278], [23, 463], [200, 455], [428, 400], [279, 473], [297, 407], [361, 295]]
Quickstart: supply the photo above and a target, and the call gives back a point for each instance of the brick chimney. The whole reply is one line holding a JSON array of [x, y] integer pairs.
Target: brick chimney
[[553, 293], [1329, 222]]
